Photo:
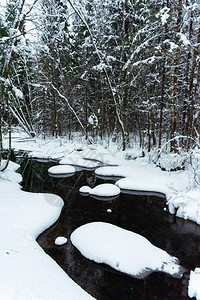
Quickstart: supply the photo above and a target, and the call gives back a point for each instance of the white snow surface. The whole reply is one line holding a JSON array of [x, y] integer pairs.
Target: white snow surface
[[140, 173], [105, 190], [65, 169], [26, 271], [144, 176], [60, 240], [194, 284], [123, 250], [164, 15], [101, 190], [18, 93], [184, 39], [180, 188], [74, 159], [182, 192], [85, 189], [186, 204]]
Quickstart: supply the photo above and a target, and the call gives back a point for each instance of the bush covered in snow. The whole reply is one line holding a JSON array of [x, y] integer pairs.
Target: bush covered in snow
[[171, 161], [195, 163], [134, 154]]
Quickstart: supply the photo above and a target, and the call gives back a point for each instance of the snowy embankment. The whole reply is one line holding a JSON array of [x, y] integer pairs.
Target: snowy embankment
[[182, 193], [123, 250], [26, 271], [194, 284], [140, 175]]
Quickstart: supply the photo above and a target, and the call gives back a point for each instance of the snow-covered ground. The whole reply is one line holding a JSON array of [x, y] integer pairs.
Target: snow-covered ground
[[181, 192], [74, 159], [140, 173], [194, 284], [27, 273], [123, 250]]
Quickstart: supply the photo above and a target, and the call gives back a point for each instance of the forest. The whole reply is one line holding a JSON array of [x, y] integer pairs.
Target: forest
[[99, 149], [124, 70]]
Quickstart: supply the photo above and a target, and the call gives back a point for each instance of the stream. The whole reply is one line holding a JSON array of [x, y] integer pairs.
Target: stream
[[144, 214]]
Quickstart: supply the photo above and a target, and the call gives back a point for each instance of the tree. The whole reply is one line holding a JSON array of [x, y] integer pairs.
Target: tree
[[15, 22]]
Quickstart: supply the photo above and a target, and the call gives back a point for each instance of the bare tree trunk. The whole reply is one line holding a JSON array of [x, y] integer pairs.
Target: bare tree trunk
[[174, 85], [4, 167], [86, 115], [190, 110], [174, 100], [161, 106], [193, 90]]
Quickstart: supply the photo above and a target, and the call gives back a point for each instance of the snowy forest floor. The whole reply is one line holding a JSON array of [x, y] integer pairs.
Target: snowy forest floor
[[22, 221]]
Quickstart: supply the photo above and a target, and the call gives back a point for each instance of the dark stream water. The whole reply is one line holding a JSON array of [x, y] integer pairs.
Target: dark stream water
[[146, 215]]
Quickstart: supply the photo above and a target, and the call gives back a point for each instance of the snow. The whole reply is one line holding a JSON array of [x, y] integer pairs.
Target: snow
[[85, 189], [68, 152], [148, 60], [194, 286], [26, 271], [186, 204], [39, 147], [172, 45], [171, 161], [63, 171], [164, 15], [118, 171], [104, 190], [139, 172], [93, 120], [123, 250], [182, 193], [184, 39], [60, 240], [18, 93], [144, 176], [91, 156], [75, 160], [9, 176]]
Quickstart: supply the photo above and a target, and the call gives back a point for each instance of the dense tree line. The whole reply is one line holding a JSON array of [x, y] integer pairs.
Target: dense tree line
[[128, 70]]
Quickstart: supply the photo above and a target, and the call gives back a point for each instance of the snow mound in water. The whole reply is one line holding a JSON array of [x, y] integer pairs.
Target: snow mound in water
[[60, 240], [61, 170], [101, 190], [105, 190], [123, 250], [85, 189]]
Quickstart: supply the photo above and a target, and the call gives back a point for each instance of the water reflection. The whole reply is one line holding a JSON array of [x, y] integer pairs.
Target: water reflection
[[64, 175], [143, 193], [101, 198], [145, 215]]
